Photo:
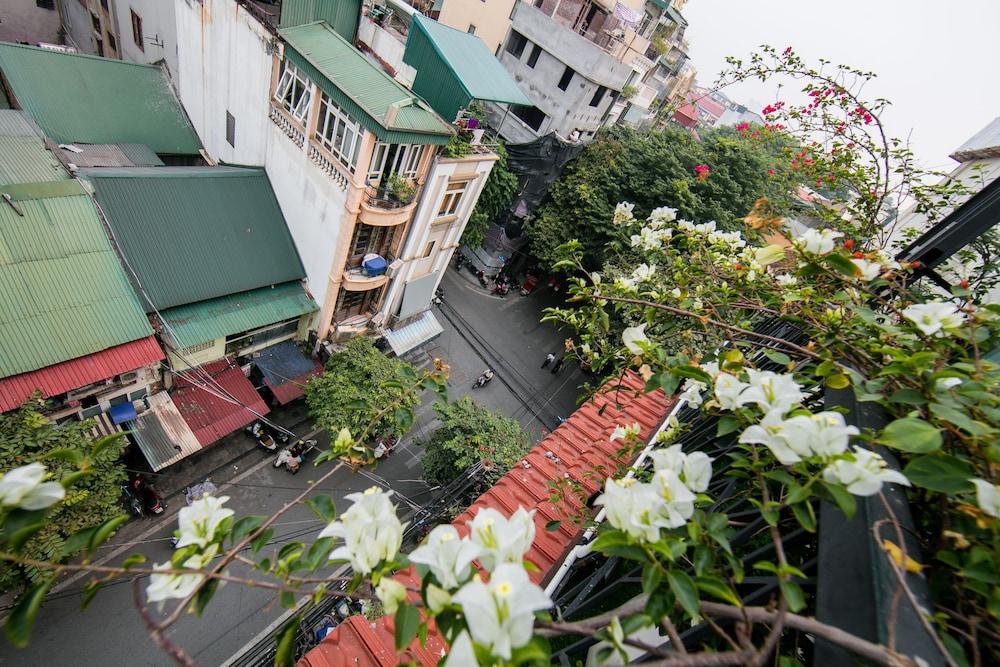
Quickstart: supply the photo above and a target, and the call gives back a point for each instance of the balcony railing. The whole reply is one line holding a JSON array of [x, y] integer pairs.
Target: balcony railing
[[287, 125], [386, 198], [331, 167]]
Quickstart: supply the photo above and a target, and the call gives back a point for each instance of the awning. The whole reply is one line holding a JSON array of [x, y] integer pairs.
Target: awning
[[455, 67], [103, 426], [286, 370], [121, 413], [417, 333], [162, 434], [223, 408]]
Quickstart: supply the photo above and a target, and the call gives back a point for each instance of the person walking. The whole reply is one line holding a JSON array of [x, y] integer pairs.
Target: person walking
[[549, 358], [556, 366]]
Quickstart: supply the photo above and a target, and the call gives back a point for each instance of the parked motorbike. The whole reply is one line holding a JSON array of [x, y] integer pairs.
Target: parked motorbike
[[529, 285], [260, 434], [385, 446], [484, 378], [293, 457], [141, 498], [459, 261], [436, 300], [502, 288]]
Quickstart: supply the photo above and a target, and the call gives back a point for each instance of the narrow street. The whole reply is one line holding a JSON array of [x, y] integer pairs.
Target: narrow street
[[480, 330]]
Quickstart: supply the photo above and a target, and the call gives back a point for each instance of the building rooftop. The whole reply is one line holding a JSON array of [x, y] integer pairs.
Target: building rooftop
[[75, 97], [23, 155], [983, 144], [577, 447], [383, 106], [197, 233]]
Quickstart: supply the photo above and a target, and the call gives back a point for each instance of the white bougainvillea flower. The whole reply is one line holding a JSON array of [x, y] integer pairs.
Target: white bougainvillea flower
[[697, 471], [650, 238], [501, 539], [771, 391], [661, 216], [825, 433], [677, 500], [625, 432], [343, 442], [685, 225], [863, 472], [165, 586], [691, 392], [988, 497], [772, 432], [934, 316], [671, 458], [818, 242], [626, 285], [199, 521], [500, 615], [623, 213], [944, 384], [634, 338], [643, 272], [462, 652], [711, 368], [727, 391], [786, 280], [868, 270], [390, 593], [769, 254], [633, 507], [23, 487], [371, 531], [448, 556]]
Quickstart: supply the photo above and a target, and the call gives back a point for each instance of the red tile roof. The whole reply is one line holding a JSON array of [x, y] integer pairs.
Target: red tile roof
[[62, 377], [294, 388], [686, 116], [581, 445], [210, 416]]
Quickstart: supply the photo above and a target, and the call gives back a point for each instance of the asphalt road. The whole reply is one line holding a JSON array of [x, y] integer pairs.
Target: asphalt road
[[479, 330]]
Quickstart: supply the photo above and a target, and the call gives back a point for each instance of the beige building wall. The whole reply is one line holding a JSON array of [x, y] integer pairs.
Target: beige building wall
[[490, 17]]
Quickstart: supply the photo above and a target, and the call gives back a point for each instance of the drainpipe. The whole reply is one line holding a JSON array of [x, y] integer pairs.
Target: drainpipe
[[583, 548]]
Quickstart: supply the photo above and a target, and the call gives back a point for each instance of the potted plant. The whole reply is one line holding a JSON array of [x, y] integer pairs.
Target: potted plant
[[400, 189]]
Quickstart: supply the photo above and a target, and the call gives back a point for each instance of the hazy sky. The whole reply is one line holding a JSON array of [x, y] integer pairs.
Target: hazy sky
[[937, 62]]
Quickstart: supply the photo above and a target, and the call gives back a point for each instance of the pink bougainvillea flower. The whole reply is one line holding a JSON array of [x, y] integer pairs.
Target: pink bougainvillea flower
[[702, 171]]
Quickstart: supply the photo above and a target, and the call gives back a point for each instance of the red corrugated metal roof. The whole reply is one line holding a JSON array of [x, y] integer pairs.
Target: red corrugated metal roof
[[59, 378], [294, 388], [711, 106], [581, 444], [210, 416], [687, 116]]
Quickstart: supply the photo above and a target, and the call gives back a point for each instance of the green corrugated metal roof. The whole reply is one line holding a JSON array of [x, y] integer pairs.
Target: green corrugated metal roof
[[454, 68], [63, 293], [377, 101], [342, 15], [23, 155], [235, 313], [196, 233], [74, 97]]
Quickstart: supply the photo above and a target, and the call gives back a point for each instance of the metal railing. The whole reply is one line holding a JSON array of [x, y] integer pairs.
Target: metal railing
[[383, 197]]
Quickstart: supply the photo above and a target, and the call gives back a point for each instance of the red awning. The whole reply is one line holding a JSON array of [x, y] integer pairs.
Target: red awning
[[60, 378], [294, 388], [208, 414]]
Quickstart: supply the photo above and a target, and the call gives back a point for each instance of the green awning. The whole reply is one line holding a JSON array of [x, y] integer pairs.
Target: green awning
[[361, 88], [455, 67], [235, 313]]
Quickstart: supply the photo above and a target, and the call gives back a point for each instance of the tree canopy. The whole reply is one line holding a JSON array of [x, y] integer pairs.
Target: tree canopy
[[657, 169], [470, 433], [27, 435], [358, 383]]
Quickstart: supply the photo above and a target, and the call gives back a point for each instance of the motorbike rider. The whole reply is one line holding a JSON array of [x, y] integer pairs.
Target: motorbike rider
[[293, 457], [485, 377]]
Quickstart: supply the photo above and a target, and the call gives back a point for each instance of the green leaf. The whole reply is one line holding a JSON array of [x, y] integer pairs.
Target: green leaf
[[940, 472], [805, 515], [285, 655], [794, 595], [89, 592], [106, 530], [911, 435], [290, 549], [717, 589], [287, 599], [687, 593], [318, 552], [907, 397], [407, 624], [958, 418], [323, 507], [65, 454], [261, 540], [246, 525], [841, 264], [553, 526], [22, 616], [727, 424], [843, 498], [652, 575], [838, 381], [778, 357], [357, 404], [78, 540], [403, 416], [21, 525], [133, 559], [204, 596], [102, 444]]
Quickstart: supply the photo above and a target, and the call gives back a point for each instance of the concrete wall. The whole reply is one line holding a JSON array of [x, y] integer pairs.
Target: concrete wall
[[159, 28], [426, 226], [24, 20], [388, 48], [491, 18], [75, 17]]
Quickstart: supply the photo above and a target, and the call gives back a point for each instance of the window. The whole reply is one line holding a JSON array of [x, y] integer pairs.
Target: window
[[533, 58], [429, 249], [230, 129], [100, 47], [452, 198], [533, 117], [472, 29], [112, 44], [199, 347], [293, 93], [45, 4], [598, 96], [338, 132], [354, 303], [566, 78], [104, 5], [95, 21], [241, 341], [516, 43], [137, 30], [402, 159], [369, 239]]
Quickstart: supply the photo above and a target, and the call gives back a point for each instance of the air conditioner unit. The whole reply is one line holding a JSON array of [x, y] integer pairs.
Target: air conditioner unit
[[393, 268], [128, 378]]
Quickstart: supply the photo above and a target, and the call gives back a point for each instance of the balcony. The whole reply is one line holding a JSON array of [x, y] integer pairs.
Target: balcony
[[359, 279], [331, 167], [381, 207], [598, 24], [290, 127]]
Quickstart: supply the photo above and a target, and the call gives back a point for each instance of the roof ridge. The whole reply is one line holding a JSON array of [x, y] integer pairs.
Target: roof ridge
[[79, 55]]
